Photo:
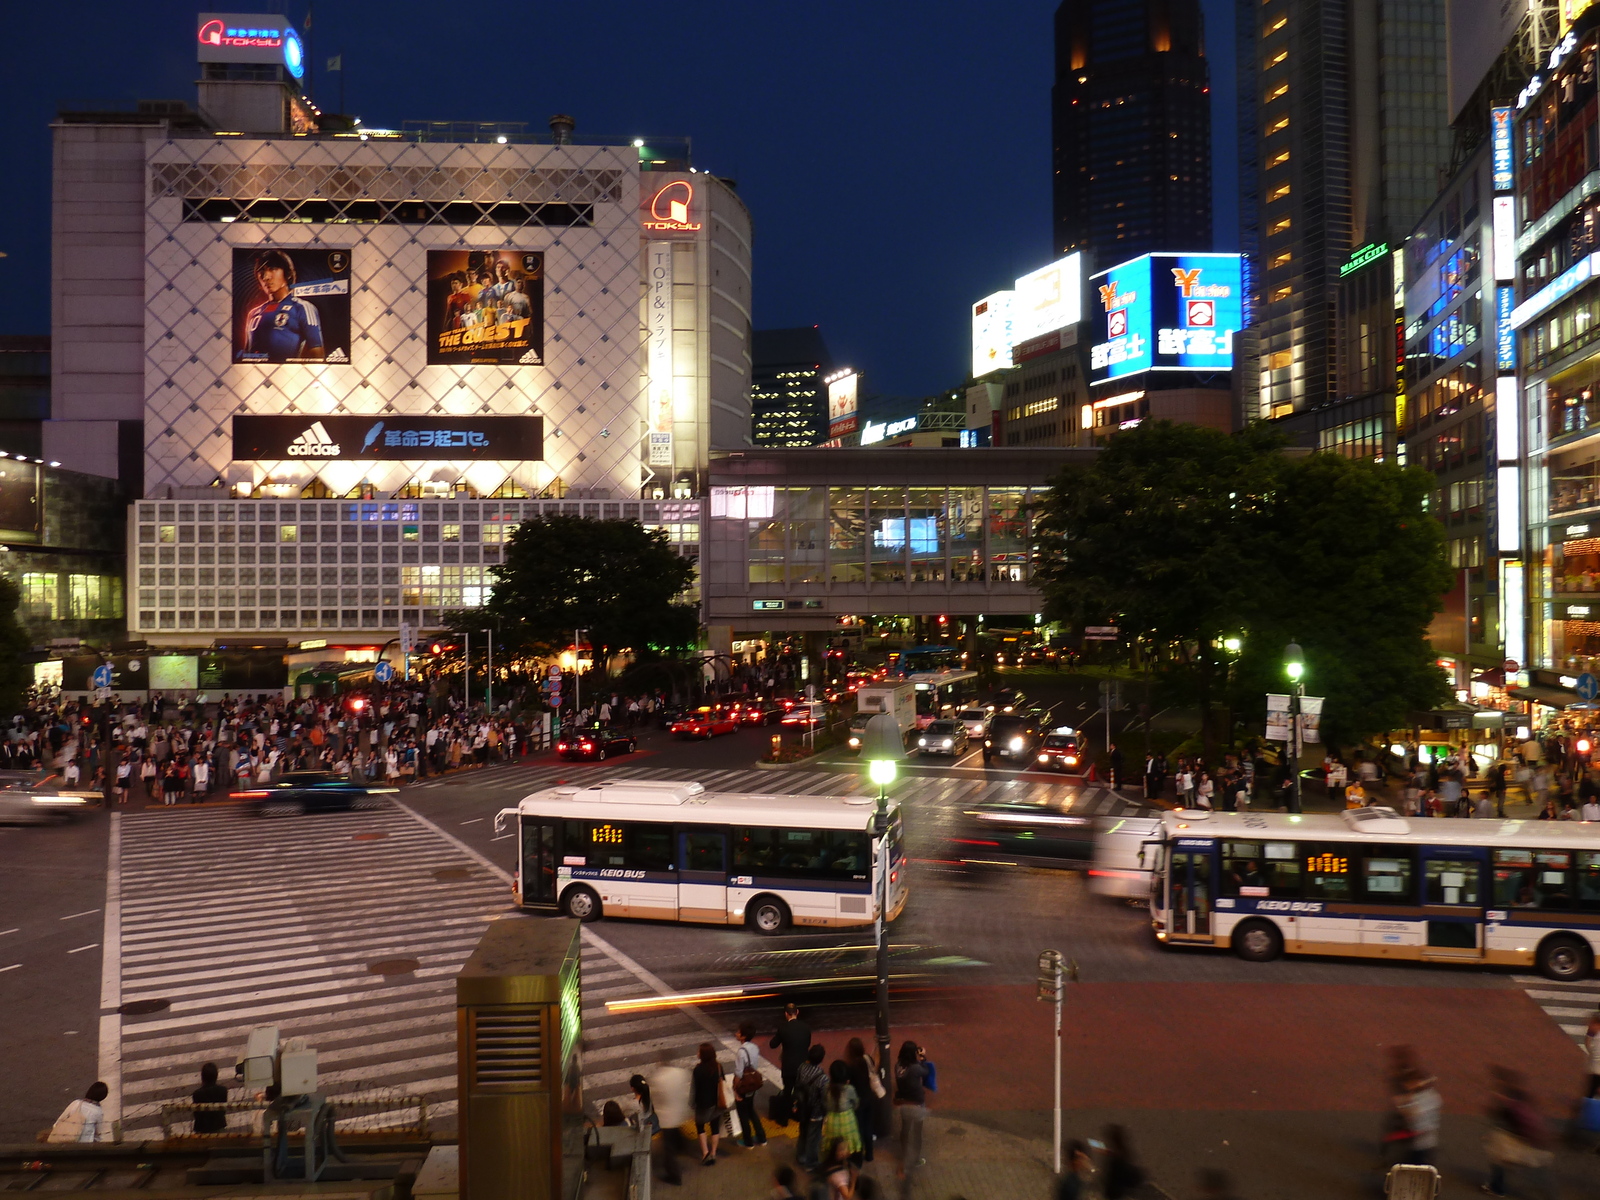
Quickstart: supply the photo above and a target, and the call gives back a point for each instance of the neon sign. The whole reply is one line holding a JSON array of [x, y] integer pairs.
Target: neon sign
[[240, 37], [669, 208]]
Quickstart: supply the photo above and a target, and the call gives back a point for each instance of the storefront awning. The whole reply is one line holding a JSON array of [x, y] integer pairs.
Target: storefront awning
[[1494, 678], [1550, 697], [1458, 716]]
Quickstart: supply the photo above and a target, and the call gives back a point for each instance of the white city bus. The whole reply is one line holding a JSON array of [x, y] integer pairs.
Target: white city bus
[[676, 852], [1368, 883], [942, 694]]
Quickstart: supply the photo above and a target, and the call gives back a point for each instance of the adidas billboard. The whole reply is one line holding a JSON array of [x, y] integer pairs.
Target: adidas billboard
[[387, 438]]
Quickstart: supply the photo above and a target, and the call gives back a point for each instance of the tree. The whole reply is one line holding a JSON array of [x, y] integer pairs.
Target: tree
[[15, 674], [1185, 536], [616, 579]]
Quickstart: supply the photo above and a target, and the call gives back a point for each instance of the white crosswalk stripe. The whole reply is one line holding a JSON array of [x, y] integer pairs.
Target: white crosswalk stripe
[[1569, 1005], [235, 922]]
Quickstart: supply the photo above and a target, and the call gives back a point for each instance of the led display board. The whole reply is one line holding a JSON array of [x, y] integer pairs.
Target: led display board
[[991, 333], [1048, 299], [1166, 312], [291, 305], [485, 307], [389, 439]]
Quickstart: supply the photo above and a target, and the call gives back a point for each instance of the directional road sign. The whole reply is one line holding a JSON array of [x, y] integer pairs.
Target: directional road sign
[[383, 672], [1588, 686], [102, 676]]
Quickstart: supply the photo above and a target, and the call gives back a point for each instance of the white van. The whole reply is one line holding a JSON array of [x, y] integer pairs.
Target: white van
[[1122, 862]]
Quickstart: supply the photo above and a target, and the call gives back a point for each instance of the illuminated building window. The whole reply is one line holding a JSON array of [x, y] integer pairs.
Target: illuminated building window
[[450, 533], [40, 598], [1276, 24], [1279, 226], [1278, 159], [1278, 193], [1280, 260], [1277, 58], [1279, 125], [1278, 91], [1280, 358], [1280, 294]]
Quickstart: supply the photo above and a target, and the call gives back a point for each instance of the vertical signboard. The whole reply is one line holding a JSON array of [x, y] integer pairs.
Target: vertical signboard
[[991, 333], [842, 404], [1505, 337], [1500, 133], [659, 355]]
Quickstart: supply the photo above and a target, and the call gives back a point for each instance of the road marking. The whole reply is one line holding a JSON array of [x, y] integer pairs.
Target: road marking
[[3, 932], [81, 949], [110, 1056], [474, 821], [12, 967], [74, 916]]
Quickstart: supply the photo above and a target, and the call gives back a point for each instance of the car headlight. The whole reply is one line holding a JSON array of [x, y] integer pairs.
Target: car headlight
[[855, 742], [1044, 758], [1072, 760], [922, 741], [948, 743], [1016, 743]]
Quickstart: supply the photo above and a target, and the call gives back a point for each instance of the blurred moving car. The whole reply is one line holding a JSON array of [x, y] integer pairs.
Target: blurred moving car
[[299, 792], [1062, 750], [1008, 700], [1022, 833], [976, 719], [704, 723], [858, 726], [943, 737], [25, 801], [808, 714], [761, 712], [1012, 735], [669, 714], [596, 742]]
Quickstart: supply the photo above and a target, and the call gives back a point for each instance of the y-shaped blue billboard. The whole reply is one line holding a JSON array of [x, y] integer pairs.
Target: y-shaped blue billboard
[[1166, 312]]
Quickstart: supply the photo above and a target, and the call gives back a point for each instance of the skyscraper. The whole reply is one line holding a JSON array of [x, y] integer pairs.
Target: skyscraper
[[1343, 128], [1131, 124], [788, 400]]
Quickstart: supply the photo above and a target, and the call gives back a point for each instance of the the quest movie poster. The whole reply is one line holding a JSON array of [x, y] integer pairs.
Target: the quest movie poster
[[485, 306]]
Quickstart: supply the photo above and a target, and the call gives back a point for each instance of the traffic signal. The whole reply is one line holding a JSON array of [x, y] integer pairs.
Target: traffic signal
[[436, 649], [1582, 746], [356, 703]]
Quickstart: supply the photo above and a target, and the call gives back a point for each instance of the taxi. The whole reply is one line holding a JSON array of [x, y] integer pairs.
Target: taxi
[[705, 722], [1062, 750]]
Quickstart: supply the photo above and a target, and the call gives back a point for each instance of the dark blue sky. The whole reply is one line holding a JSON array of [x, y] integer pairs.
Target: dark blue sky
[[894, 155]]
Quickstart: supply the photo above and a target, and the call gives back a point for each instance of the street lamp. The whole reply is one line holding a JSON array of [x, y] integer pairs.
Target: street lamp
[[1294, 666], [883, 746]]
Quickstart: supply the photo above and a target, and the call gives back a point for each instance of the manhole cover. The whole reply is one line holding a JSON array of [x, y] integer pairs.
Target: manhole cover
[[139, 1008], [368, 837], [393, 966], [449, 874]]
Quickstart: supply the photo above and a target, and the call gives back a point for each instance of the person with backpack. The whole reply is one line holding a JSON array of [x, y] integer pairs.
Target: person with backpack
[[747, 1081]]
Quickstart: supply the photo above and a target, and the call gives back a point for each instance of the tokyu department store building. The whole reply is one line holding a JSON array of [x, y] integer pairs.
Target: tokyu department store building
[[336, 365]]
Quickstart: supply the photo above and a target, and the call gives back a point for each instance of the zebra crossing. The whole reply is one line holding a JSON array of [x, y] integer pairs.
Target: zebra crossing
[[1569, 1005], [350, 936], [350, 932]]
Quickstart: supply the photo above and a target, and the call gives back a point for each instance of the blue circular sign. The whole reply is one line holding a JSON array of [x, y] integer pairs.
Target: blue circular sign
[[102, 675], [294, 55], [1588, 686], [383, 672]]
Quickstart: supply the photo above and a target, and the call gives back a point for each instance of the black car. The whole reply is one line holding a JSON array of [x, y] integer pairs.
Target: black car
[[668, 715], [1012, 735], [313, 791], [597, 742], [1022, 834]]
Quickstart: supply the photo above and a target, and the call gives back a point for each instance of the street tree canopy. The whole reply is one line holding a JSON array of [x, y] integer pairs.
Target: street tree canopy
[[617, 580], [15, 673], [1185, 536]]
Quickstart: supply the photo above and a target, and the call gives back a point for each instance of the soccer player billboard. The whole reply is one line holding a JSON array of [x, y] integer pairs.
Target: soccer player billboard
[[485, 306], [291, 305]]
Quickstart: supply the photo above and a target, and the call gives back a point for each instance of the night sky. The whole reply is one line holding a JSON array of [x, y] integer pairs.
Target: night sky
[[894, 155]]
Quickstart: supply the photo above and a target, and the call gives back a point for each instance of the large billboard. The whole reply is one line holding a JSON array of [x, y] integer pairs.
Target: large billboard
[[387, 439], [842, 405], [291, 305], [1048, 299], [249, 38], [1166, 312], [991, 333], [485, 306]]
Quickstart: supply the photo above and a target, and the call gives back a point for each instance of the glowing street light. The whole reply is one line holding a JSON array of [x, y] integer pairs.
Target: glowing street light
[[1294, 666], [883, 745]]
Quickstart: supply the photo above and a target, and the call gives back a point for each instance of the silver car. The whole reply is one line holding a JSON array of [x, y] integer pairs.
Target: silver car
[[25, 804], [975, 720], [943, 737]]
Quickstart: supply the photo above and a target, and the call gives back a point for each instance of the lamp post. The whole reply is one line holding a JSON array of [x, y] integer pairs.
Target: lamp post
[[883, 746], [1294, 666]]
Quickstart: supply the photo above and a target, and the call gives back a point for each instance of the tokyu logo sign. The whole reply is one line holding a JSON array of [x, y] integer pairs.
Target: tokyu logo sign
[[668, 210]]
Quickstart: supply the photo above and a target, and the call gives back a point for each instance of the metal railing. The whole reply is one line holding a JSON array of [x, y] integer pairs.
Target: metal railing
[[386, 1113]]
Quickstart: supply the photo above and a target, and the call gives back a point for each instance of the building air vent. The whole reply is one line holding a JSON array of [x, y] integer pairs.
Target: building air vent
[[507, 1048]]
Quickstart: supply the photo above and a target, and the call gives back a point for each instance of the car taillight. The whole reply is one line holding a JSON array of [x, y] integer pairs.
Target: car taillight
[[588, 746], [247, 795], [972, 842], [561, 745]]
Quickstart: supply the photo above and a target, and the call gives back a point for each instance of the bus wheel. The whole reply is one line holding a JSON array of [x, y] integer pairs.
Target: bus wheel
[[769, 915], [1565, 959], [582, 903], [1257, 941]]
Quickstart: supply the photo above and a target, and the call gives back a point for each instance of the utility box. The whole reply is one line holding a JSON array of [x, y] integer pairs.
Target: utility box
[[518, 1033]]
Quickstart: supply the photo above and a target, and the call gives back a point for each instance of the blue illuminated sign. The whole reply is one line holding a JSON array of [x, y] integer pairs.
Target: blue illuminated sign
[[1500, 131], [294, 54], [1167, 312], [1505, 334]]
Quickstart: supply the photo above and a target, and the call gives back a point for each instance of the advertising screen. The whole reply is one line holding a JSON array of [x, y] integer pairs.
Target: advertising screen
[[1167, 312], [291, 305], [842, 404], [1048, 299], [485, 306], [389, 439], [991, 333]]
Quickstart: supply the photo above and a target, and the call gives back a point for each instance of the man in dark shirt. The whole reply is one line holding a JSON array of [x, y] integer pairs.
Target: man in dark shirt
[[793, 1039], [210, 1092]]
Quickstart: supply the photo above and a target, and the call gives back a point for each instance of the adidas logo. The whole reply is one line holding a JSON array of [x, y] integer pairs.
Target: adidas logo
[[314, 443]]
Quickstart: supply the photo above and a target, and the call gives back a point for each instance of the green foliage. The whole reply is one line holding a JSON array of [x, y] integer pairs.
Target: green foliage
[[1185, 536], [15, 673], [615, 579]]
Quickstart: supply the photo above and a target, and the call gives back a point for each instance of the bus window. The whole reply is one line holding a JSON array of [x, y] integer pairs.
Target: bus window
[[1386, 875], [1327, 871], [704, 850], [1589, 880], [811, 853], [1452, 881], [538, 862], [1532, 879], [649, 847], [1260, 869]]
